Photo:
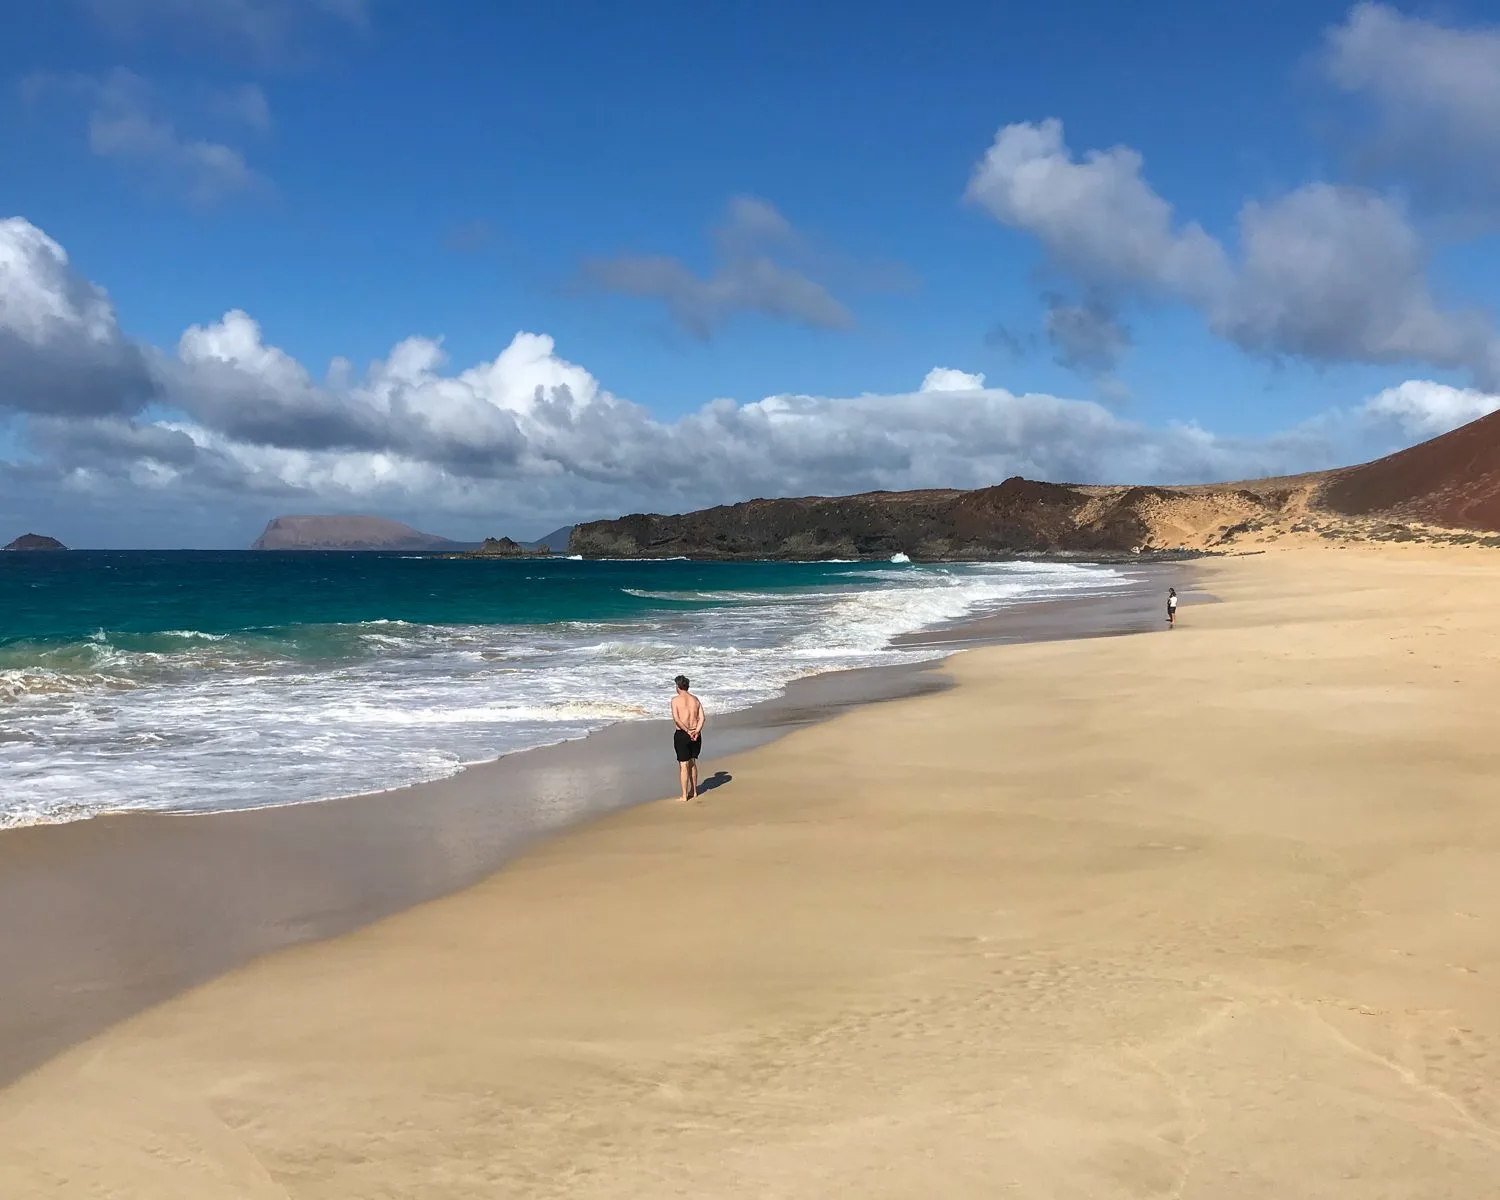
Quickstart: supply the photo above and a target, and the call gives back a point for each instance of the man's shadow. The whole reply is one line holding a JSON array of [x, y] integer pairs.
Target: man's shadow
[[716, 780]]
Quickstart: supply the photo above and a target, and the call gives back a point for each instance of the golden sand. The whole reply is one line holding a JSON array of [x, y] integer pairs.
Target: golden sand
[[1205, 913]]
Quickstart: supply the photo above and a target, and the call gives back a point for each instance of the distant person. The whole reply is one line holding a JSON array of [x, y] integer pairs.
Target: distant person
[[1171, 606], [687, 738]]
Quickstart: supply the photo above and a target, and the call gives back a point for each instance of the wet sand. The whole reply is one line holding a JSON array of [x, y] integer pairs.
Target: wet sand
[[103, 918], [1207, 914]]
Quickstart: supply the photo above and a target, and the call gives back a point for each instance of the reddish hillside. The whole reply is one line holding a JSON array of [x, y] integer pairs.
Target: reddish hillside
[[1453, 481]]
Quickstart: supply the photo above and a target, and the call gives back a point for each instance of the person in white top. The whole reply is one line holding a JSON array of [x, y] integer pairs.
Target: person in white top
[[1171, 606]]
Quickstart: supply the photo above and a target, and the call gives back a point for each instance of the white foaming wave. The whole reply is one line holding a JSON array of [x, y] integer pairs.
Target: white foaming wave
[[42, 681], [645, 650], [868, 619], [383, 639], [562, 711], [723, 597]]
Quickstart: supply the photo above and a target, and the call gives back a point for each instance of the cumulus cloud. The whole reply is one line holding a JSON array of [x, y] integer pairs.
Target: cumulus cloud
[[1098, 218], [749, 278], [118, 438], [946, 379], [127, 125], [1338, 274], [61, 349], [1419, 409], [1326, 273], [1435, 94]]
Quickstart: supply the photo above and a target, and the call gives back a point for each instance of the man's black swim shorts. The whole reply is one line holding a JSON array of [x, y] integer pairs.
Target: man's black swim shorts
[[687, 747]]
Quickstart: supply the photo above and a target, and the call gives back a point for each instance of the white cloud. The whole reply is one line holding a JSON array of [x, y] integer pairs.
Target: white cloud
[[1337, 273], [1099, 217], [947, 379], [1419, 409], [749, 278], [1326, 273], [127, 125], [61, 349], [1419, 69], [1434, 91]]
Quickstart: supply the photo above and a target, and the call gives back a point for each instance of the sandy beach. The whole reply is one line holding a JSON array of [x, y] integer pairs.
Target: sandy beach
[[1203, 913]]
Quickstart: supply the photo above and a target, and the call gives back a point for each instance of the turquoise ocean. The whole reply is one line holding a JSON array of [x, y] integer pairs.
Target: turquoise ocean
[[202, 681]]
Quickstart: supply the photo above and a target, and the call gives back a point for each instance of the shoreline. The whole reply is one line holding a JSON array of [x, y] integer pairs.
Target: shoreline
[[104, 917], [111, 733], [1206, 914]]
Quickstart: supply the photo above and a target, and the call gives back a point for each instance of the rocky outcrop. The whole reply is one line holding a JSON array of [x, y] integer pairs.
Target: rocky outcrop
[[507, 548], [35, 541], [349, 533]]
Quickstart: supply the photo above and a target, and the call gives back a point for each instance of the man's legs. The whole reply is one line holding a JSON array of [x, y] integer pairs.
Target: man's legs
[[693, 777], [685, 777]]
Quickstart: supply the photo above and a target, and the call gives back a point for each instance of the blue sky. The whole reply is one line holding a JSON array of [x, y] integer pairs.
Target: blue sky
[[351, 174]]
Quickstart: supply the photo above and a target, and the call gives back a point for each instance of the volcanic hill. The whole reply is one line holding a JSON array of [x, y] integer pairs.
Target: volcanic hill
[[1444, 490], [348, 533]]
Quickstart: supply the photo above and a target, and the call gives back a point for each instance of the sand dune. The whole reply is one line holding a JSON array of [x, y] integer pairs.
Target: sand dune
[[1208, 913]]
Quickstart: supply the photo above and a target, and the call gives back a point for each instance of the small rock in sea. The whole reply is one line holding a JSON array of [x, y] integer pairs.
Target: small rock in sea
[[35, 541]]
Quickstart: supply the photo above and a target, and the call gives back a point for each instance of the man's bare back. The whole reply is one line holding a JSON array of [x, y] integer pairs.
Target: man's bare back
[[687, 738], [687, 713]]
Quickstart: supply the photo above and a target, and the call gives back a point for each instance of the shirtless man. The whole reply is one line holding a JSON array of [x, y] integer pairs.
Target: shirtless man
[[687, 738]]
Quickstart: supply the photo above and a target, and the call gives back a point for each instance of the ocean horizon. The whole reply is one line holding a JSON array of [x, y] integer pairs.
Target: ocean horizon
[[202, 681]]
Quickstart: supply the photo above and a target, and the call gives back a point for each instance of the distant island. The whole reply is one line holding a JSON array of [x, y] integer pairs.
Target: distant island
[[361, 532], [1446, 490], [35, 541], [349, 533]]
